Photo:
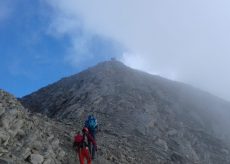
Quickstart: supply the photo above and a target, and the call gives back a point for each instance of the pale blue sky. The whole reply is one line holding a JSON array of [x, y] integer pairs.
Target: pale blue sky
[[31, 56]]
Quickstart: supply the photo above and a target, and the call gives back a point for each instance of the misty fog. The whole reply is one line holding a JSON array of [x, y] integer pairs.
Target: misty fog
[[181, 40]]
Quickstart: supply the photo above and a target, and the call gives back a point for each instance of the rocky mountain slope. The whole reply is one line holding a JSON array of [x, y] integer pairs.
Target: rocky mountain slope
[[143, 118], [27, 138]]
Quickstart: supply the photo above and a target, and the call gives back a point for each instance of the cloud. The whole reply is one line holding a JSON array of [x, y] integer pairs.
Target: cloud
[[66, 23], [79, 51], [182, 40]]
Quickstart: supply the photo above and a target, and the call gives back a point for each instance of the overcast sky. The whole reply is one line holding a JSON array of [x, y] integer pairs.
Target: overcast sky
[[181, 40]]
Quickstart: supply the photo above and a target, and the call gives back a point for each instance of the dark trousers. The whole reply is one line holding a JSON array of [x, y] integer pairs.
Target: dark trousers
[[91, 146], [92, 150]]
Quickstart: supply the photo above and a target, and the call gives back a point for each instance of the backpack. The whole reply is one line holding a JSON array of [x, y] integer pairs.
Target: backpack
[[78, 139], [81, 141], [91, 123]]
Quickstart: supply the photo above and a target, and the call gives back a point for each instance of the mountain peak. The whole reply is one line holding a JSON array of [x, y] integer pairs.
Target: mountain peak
[[110, 65], [143, 108]]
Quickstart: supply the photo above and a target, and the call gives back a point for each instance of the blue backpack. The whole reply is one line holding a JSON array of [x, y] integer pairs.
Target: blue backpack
[[91, 123]]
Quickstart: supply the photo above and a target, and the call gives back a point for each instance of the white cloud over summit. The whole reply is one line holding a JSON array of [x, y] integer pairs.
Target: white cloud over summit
[[183, 40]]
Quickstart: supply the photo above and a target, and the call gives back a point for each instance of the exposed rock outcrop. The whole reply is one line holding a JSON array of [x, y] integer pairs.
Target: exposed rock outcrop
[[27, 138]]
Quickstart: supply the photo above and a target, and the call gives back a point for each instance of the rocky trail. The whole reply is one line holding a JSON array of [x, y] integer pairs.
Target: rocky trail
[[36, 139]]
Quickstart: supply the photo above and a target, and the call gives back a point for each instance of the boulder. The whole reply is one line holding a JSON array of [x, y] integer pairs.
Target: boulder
[[36, 159]]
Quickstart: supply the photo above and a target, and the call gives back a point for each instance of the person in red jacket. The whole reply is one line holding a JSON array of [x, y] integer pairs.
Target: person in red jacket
[[81, 142]]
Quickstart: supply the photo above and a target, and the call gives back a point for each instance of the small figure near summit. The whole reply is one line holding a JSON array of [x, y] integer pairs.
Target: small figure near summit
[[81, 143]]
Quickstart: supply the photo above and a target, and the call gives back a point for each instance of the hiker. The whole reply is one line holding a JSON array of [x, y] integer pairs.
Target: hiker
[[91, 124], [81, 142]]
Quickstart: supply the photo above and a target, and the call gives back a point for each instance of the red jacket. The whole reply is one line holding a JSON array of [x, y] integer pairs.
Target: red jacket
[[79, 139], [90, 139]]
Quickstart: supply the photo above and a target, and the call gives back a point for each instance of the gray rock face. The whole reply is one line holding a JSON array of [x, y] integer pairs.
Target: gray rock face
[[27, 138], [143, 118], [36, 159]]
